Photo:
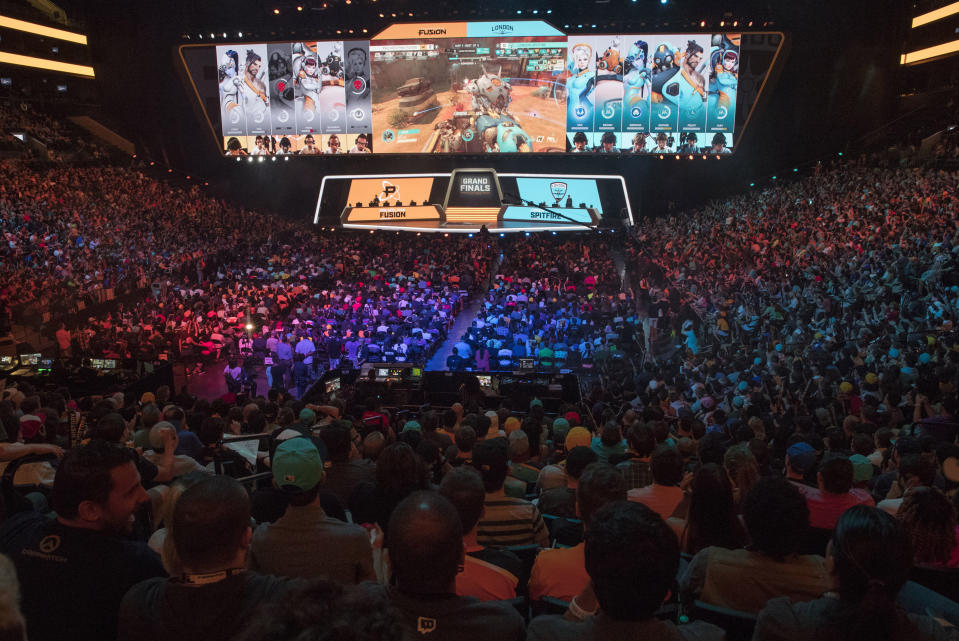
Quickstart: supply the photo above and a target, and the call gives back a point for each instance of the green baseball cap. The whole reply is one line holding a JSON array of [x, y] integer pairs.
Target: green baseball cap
[[297, 465]]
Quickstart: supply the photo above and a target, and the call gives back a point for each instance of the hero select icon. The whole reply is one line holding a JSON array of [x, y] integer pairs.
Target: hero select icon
[[637, 112], [665, 113], [580, 112], [608, 111], [359, 85], [558, 190], [358, 114]]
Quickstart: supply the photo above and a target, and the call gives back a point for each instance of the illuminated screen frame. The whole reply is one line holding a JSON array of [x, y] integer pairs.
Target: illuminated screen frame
[[620, 178], [741, 119]]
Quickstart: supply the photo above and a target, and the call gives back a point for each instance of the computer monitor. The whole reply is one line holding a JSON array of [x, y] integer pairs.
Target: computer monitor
[[109, 363], [333, 385], [382, 372], [6, 361], [46, 364], [416, 372], [485, 380], [27, 360], [527, 363]]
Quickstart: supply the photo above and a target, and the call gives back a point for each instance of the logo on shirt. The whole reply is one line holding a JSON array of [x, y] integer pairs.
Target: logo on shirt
[[49, 544], [425, 625]]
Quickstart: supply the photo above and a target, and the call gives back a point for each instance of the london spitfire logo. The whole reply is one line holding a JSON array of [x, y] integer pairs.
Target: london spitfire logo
[[558, 190]]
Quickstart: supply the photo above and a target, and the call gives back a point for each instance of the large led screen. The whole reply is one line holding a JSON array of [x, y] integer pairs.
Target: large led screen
[[651, 93], [510, 87], [464, 90]]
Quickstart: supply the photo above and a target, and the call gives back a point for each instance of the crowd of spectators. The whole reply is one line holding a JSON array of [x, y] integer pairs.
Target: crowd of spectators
[[79, 236], [58, 139], [783, 459], [557, 300]]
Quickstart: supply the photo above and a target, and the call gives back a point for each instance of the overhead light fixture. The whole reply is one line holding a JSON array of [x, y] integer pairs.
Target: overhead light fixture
[[47, 65], [41, 30], [938, 14]]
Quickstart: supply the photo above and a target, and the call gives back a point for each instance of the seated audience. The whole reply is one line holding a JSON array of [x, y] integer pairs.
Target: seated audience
[[869, 560], [631, 558], [487, 574]]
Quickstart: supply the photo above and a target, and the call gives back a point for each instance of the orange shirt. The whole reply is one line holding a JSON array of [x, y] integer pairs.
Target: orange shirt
[[661, 499], [485, 581], [559, 573]]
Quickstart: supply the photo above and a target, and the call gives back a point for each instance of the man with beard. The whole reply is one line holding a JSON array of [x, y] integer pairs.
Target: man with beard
[[75, 569]]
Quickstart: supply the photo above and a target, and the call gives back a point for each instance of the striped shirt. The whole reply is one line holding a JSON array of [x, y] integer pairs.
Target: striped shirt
[[511, 521]]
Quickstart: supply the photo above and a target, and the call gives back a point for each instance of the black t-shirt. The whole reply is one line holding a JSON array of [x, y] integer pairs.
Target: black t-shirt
[[72, 580], [447, 617], [166, 609]]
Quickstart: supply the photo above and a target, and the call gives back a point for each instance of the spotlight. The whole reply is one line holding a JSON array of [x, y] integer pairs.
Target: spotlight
[[702, 23], [549, 11], [224, 34], [169, 171], [690, 156], [212, 36], [663, 1], [299, 7], [249, 158], [276, 12], [722, 23], [151, 163], [286, 159], [260, 159], [704, 156], [238, 159], [795, 169], [752, 184], [239, 35], [273, 159], [774, 178], [750, 23], [249, 327], [677, 156], [188, 178], [660, 156], [735, 23]]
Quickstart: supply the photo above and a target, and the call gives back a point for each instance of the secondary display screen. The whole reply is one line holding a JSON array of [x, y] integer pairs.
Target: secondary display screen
[[468, 93], [483, 87], [307, 97]]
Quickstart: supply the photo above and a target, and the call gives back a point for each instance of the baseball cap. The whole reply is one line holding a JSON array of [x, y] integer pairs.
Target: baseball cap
[[412, 425], [560, 430], [861, 468], [535, 403], [307, 416], [845, 387], [148, 397], [871, 378], [297, 465], [801, 457], [578, 436]]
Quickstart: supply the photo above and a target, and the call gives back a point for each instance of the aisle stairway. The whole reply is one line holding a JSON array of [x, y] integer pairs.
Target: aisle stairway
[[460, 325]]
